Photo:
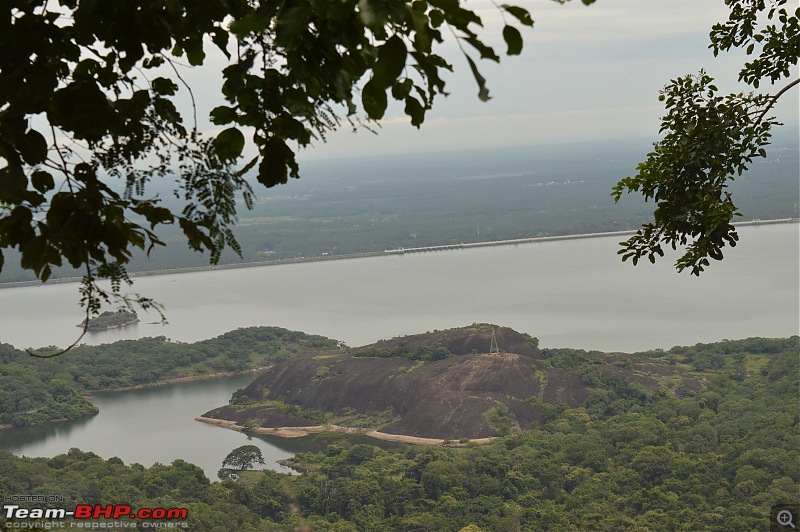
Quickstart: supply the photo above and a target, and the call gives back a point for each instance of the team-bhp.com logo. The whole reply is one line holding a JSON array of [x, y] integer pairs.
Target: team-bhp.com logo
[[94, 511]]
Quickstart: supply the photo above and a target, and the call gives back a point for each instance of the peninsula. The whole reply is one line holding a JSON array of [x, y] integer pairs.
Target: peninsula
[[470, 383]]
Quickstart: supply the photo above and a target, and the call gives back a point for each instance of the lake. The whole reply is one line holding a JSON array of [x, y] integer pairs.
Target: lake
[[156, 425], [571, 293]]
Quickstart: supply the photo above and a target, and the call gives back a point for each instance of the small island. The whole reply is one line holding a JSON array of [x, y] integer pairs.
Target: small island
[[110, 320]]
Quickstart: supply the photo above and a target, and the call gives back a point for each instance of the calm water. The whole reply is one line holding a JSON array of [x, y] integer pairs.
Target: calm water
[[148, 426], [568, 293], [157, 425]]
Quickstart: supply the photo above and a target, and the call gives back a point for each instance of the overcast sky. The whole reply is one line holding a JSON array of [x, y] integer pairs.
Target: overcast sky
[[585, 73]]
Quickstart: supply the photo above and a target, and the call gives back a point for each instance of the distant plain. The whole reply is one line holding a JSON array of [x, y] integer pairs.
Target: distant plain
[[370, 204]]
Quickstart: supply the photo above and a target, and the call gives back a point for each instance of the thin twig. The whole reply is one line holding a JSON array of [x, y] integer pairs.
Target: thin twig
[[189, 88], [775, 99], [85, 324]]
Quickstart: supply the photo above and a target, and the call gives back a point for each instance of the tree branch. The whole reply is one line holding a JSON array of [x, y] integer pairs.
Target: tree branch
[[775, 99], [188, 87], [83, 332]]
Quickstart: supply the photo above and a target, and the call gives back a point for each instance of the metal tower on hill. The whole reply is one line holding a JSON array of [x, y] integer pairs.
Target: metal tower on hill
[[493, 346]]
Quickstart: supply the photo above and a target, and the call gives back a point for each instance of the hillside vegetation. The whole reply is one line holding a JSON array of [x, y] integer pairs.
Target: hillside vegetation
[[715, 458]]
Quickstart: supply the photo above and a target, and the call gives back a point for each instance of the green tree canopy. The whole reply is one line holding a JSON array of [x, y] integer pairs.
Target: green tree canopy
[[243, 457], [88, 97], [711, 138]]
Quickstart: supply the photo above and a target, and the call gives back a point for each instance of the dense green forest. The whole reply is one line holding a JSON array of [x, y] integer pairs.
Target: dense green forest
[[365, 205], [35, 390], [715, 459]]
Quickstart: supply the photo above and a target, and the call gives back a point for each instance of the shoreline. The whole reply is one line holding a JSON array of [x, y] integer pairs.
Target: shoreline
[[176, 380], [384, 253], [300, 432]]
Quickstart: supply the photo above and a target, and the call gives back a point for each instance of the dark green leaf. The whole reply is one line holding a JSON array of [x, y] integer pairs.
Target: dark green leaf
[[436, 18], [373, 97], [253, 23], [519, 13], [33, 147], [513, 39], [154, 214], [415, 110], [164, 86], [276, 161], [229, 144], [246, 168], [292, 24], [194, 52], [401, 89], [487, 52], [222, 115], [220, 37], [391, 62], [373, 14], [82, 108], [42, 181], [13, 185], [483, 92]]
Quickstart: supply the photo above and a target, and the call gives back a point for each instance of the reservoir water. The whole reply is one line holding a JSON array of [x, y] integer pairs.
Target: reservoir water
[[149, 425], [571, 293]]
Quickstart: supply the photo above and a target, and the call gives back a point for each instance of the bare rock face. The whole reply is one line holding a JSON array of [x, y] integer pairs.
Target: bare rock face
[[453, 384]]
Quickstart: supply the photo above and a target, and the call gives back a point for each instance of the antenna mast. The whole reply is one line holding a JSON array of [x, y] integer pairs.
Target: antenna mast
[[493, 346]]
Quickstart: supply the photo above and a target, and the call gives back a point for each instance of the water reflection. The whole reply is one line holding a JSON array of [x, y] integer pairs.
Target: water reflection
[[19, 439]]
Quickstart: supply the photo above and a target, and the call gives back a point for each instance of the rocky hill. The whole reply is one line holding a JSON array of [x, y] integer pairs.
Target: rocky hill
[[446, 385]]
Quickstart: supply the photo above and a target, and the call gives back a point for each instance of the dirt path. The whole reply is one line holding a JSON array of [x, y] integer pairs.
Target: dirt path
[[293, 506], [299, 432]]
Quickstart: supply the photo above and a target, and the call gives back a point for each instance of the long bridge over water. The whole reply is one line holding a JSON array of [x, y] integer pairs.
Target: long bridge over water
[[424, 249]]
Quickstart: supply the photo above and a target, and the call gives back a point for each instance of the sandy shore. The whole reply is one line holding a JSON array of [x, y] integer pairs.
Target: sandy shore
[[299, 432]]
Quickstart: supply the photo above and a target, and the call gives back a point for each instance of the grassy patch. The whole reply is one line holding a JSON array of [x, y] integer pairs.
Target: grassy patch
[[415, 366], [351, 418], [754, 363], [541, 375], [322, 374], [249, 478]]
